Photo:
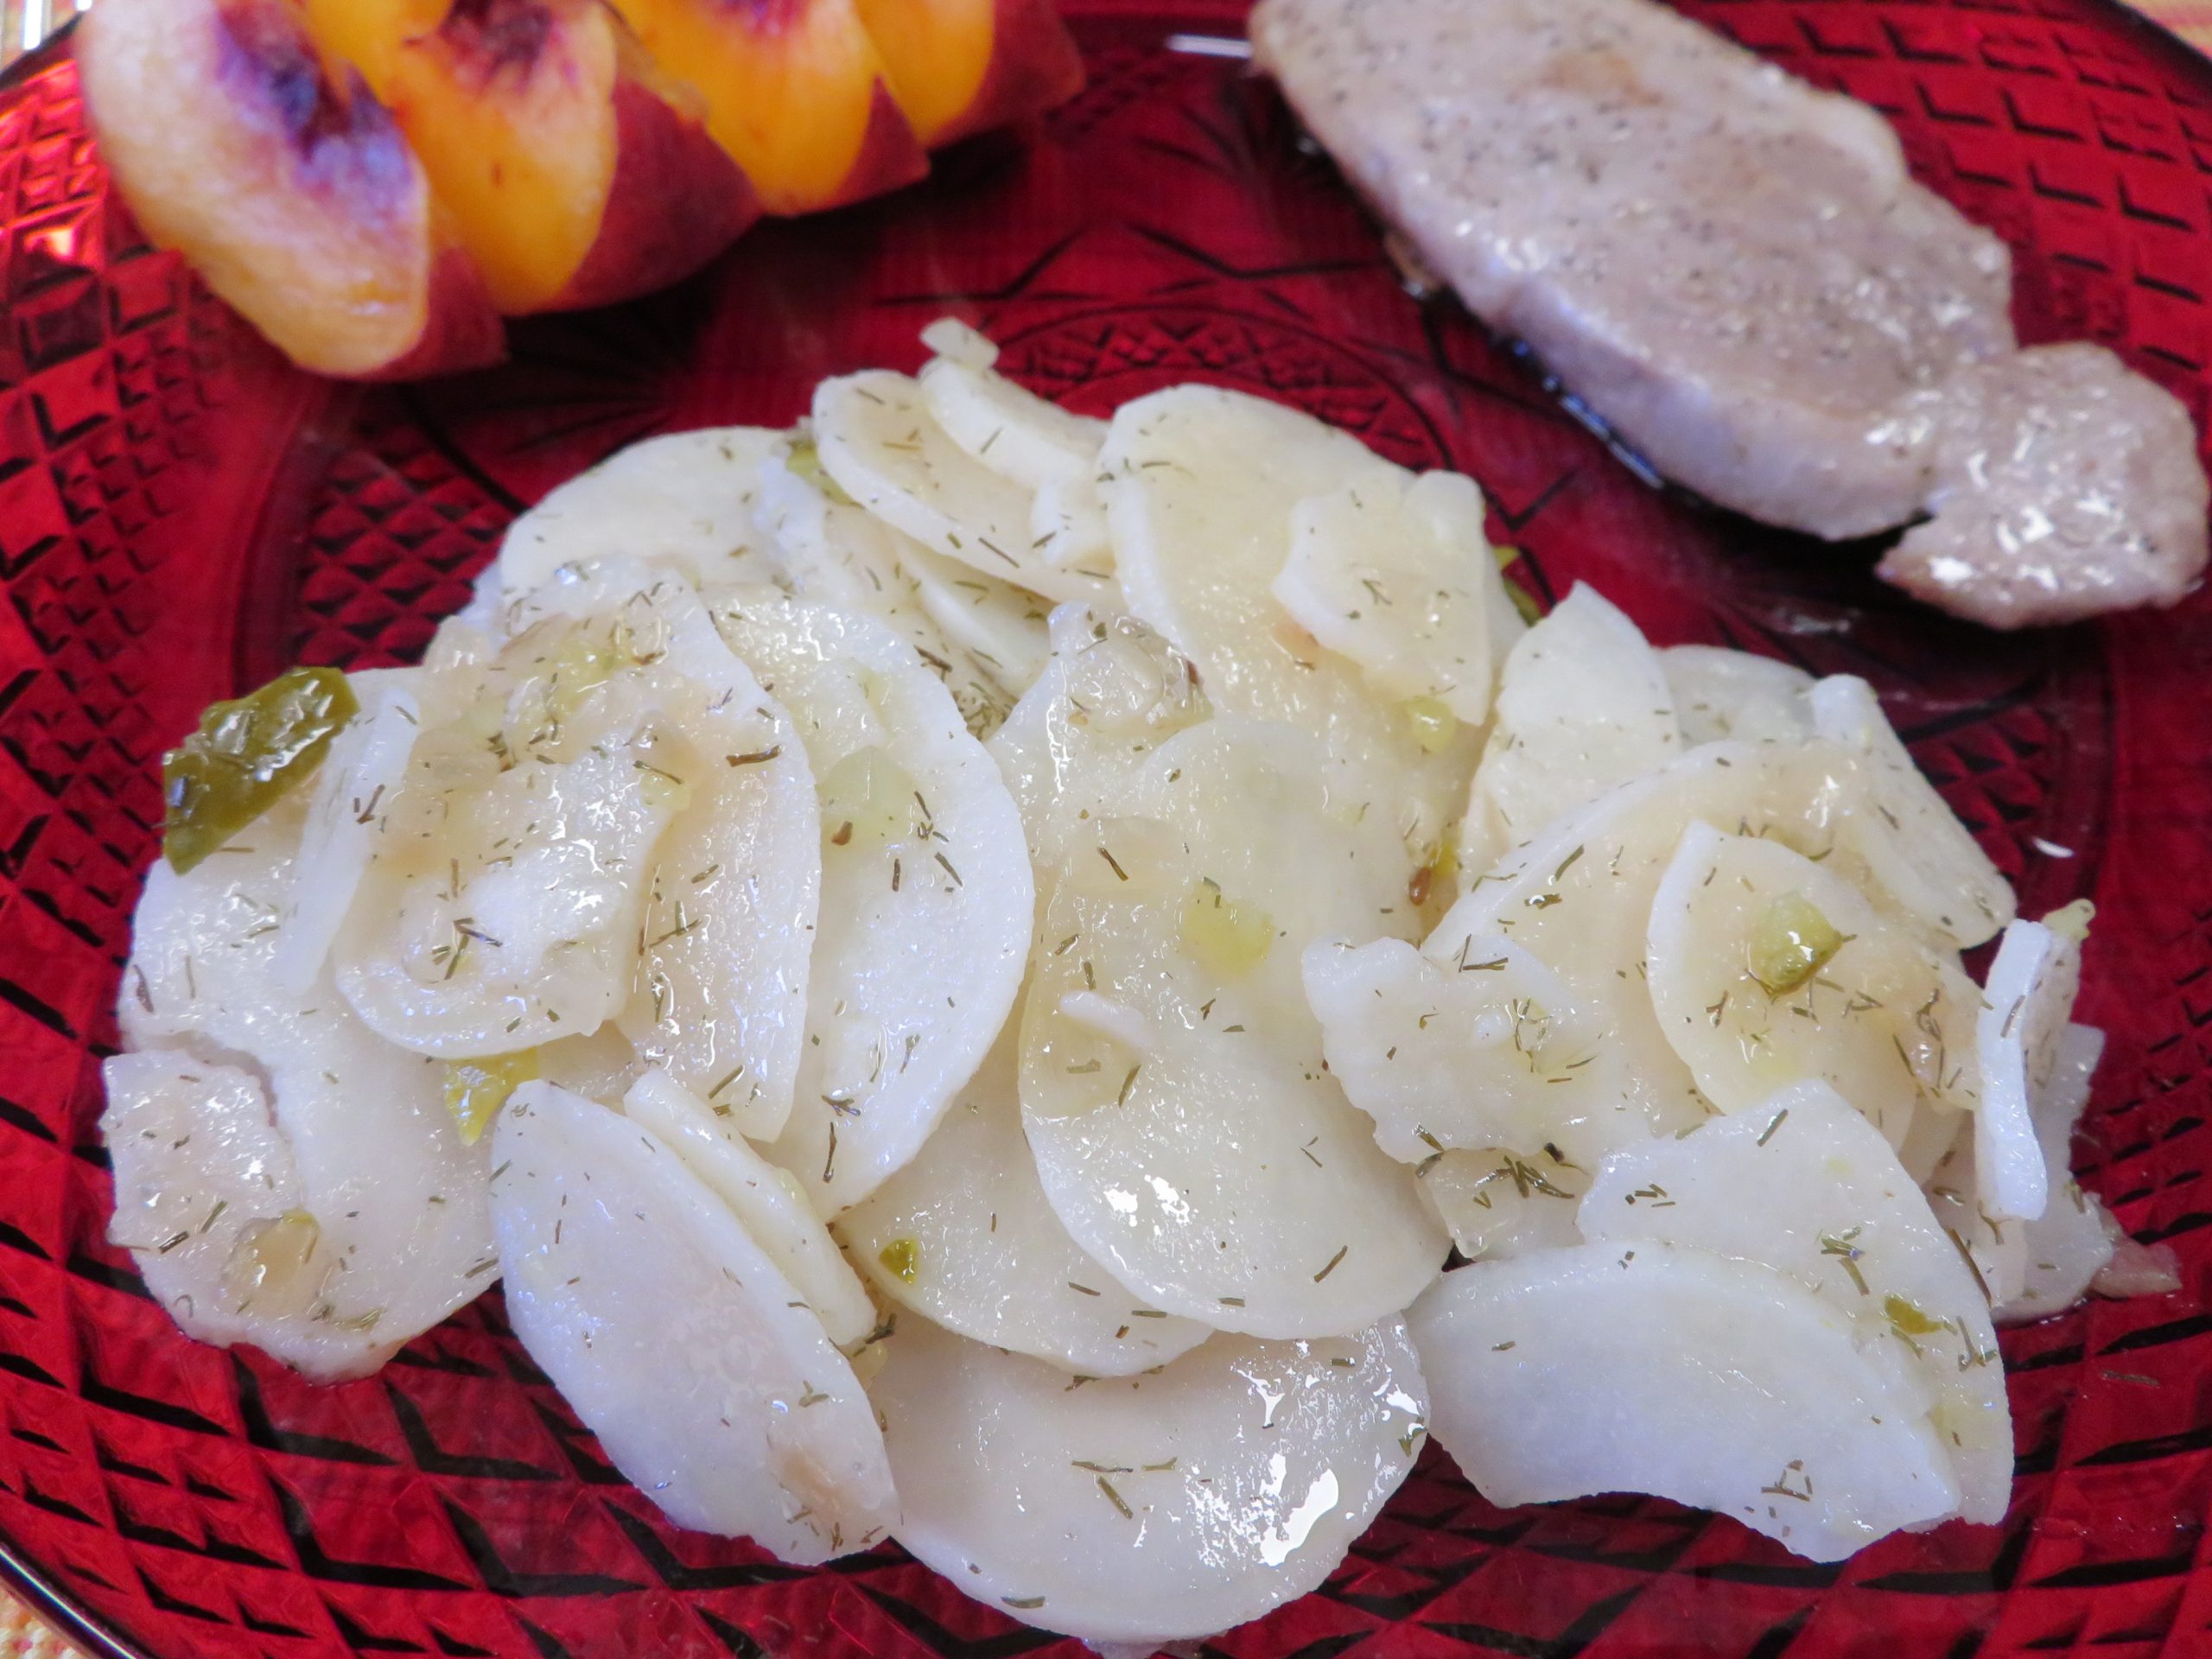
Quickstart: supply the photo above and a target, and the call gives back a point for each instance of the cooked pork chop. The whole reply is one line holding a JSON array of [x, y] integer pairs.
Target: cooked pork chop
[[1733, 270], [2069, 487]]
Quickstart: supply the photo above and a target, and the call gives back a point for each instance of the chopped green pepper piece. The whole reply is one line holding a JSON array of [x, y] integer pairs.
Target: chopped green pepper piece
[[248, 755]]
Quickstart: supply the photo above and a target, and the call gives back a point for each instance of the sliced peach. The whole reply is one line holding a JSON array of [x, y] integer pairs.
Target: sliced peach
[[962, 67], [293, 195], [572, 176], [794, 90]]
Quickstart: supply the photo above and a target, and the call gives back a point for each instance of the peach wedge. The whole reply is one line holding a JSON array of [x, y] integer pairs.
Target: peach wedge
[[795, 92], [962, 67], [575, 173], [292, 193]]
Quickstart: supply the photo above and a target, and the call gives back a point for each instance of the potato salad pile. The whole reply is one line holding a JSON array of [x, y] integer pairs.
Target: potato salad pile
[[969, 968]]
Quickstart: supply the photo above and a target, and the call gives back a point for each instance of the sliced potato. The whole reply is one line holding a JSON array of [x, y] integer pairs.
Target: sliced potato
[[1496, 1204], [1199, 487], [927, 898], [999, 625], [767, 1200], [1579, 899], [683, 502], [345, 819], [964, 1237], [1396, 574], [1734, 695], [1717, 1384], [1112, 693], [1146, 1508], [1583, 705], [1007, 428], [2023, 1014], [1185, 1130], [2063, 1250], [1766, 967], [677, 1339], [1488, 1050], [834, 553], [1804, 1184], [264, 1136], [1901, 829], [882, 444]]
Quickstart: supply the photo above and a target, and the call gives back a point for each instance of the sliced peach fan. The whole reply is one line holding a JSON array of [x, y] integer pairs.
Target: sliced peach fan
[[794, 91], [962, 67], [294, 194], [533, 123]]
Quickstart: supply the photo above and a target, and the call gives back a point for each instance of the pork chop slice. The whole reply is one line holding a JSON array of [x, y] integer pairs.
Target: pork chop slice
[[1732, 269], [1736, 273], [2066, 486]]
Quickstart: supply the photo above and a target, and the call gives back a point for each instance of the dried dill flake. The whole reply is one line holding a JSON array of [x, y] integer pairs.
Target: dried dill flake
[[247, 756]]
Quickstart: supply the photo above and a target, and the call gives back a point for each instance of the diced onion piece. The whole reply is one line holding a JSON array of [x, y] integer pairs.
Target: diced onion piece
[[677, 1339], [1154, 1507], [1717, 1384]]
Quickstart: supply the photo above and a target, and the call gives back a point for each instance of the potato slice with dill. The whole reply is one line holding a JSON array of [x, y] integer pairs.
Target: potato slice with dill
[[1583, 705], [1723, 696], [766, 1199], [1767, 968], [367, 766], [683, 503], [927, 898], [882, 444], [1395, 573], [1185, 1130], [1804, 1184], [834, 553], [1113, 691], [1578, 899], [1903, 831], [1719, 1383], [1488, 1049], [1200, 485], [964, 1237], [999, 624], [1146, 1508], [2025, 1008], [677, 1339], [1499, 1203], [248, 1101]]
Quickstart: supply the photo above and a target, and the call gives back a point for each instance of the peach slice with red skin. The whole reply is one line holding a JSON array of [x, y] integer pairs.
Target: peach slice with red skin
[[291, 192], [795, 92], [959, 67], [575, 174]]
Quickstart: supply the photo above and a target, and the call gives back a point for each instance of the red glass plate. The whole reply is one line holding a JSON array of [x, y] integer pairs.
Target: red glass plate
[[180, 515]]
